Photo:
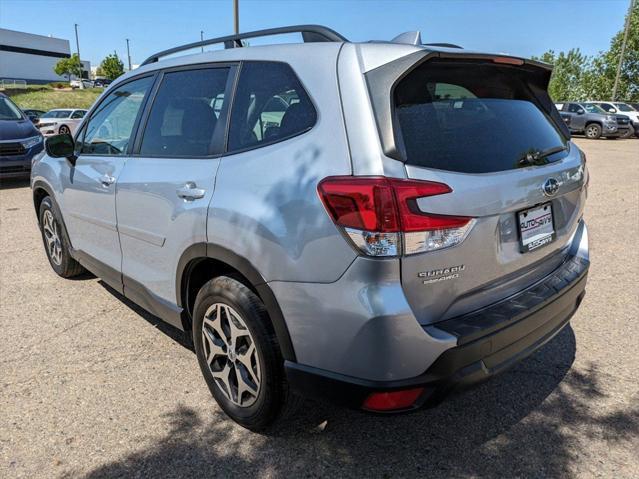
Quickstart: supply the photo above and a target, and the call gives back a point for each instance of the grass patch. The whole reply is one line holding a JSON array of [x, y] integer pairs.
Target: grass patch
[[43, 97]]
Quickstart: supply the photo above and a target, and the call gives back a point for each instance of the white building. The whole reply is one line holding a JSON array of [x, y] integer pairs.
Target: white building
[[25, 56]]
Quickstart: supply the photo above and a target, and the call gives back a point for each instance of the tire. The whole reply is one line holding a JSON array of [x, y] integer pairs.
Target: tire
[[593, 131], [628, 134], [233, 310], [56, 244], [64, 130]]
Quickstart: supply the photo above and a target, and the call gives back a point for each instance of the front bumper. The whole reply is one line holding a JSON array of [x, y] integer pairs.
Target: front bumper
[[489, 341], [19, 166]]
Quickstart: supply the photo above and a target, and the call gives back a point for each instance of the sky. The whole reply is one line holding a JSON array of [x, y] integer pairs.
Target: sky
[[519, 27]]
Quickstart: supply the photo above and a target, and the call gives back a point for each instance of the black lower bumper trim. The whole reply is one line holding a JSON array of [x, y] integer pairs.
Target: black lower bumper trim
[[488, 342]]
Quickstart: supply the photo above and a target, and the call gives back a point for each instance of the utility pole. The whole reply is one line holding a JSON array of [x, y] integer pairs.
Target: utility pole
[[623, 51], [77, 44], [236, 16], [202, 39], [128, 53]]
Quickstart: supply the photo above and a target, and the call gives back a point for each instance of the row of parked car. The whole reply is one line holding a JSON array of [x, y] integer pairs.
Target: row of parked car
[[97, 83], [22, 134], [601, 119]]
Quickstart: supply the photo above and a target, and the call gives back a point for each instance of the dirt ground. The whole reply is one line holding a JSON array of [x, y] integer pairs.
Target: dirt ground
[[92, 386]]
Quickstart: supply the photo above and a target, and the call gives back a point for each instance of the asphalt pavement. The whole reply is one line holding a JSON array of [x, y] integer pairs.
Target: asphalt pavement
[[93, 386]]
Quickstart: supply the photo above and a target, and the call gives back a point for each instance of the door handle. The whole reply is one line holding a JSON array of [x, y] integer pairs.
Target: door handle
[[107, 180], [190, 191]]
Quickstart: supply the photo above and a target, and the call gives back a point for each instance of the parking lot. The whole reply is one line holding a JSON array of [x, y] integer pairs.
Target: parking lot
[[92, 386]]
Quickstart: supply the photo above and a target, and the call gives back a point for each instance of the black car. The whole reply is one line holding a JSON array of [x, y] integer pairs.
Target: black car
[[34, 115], [20, 140], [102, 82]]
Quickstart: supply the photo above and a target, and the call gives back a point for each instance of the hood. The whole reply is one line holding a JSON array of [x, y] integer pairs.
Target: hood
[[17, 130]]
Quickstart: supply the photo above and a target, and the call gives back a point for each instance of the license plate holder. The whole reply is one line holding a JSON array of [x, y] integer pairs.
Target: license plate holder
[[536, 227]]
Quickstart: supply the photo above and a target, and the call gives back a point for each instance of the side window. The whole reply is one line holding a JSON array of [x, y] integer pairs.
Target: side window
[[270, 105], [183, 118], [78, 114], [574, 108], [111, 125]]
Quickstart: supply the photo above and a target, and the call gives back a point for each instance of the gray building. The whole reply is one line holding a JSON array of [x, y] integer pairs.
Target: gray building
[[25, 56]]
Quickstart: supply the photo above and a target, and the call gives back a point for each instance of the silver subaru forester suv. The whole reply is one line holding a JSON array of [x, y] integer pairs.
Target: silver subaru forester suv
[[373, 223]]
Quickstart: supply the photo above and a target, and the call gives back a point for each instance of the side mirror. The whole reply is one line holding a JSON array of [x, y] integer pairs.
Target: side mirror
[[61, 146], [581, 111]]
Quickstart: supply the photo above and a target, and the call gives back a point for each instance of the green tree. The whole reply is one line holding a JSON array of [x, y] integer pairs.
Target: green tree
[[69, 66], [567, 76], [112, 67], [599, 79]]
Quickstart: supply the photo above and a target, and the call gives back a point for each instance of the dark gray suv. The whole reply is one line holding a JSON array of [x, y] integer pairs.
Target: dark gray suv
[[594, 122]]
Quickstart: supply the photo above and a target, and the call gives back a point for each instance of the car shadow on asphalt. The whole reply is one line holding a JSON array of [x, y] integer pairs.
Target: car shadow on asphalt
[[517, 424]]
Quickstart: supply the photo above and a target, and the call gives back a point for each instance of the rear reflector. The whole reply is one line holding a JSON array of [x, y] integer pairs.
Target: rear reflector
[[389, 401], [377, 212]]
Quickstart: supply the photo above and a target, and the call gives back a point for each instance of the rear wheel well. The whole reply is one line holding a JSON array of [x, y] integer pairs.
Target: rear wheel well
[[197, 272]]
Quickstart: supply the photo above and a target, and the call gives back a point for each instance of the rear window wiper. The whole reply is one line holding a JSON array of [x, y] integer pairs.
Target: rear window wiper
[[534, 157]]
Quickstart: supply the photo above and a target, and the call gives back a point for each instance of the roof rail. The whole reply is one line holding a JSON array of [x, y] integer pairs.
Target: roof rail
[[310, 33]]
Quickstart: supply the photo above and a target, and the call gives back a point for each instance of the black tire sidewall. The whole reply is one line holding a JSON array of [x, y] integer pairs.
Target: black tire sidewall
[[270, 398]]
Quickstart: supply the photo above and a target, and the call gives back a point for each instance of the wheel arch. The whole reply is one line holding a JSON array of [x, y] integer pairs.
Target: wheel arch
[[202, 262]]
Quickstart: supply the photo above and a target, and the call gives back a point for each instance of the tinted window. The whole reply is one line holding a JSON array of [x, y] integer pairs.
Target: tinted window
[[471, 118], [184, 114], [78, 114], [57, 114], [270, 105], [111, 125], [574, 108]]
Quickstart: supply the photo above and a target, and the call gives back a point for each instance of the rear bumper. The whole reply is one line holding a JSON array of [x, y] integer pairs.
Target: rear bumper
[[489, 341]]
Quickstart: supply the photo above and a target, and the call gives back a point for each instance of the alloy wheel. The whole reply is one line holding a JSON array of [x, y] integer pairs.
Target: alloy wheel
[[52, 237], [231, 354]]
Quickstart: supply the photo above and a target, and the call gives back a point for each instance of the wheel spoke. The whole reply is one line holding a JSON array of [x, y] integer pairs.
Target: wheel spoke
[[223, 377], [216, 323], [244, 386], [236, 328], [246, 359], [214, 348]]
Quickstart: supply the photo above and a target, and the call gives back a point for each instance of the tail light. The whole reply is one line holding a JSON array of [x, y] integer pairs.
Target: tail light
[[381, 217]]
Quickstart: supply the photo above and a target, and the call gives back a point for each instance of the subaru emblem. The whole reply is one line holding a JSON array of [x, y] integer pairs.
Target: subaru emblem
[[550, 187]]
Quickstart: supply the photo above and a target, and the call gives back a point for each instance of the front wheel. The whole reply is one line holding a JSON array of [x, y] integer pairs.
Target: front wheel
[[593, 131], [629, 133], [55, 241], [64, 130], [238, 354]]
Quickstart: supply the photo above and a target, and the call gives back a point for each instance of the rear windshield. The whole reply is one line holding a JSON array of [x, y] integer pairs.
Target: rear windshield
[[472, 118]]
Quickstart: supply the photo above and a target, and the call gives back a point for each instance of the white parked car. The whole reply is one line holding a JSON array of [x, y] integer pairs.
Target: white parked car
[[76, 83], [60, 121]]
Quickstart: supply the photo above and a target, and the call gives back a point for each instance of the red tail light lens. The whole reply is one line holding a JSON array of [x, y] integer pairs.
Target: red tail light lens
[[363, 203], [389, 401], [375, 211]]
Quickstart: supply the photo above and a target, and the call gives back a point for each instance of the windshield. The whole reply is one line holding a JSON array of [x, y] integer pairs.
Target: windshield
[[56, 114], [623, 107], [472, 118], [8, 110], [594, 109]]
